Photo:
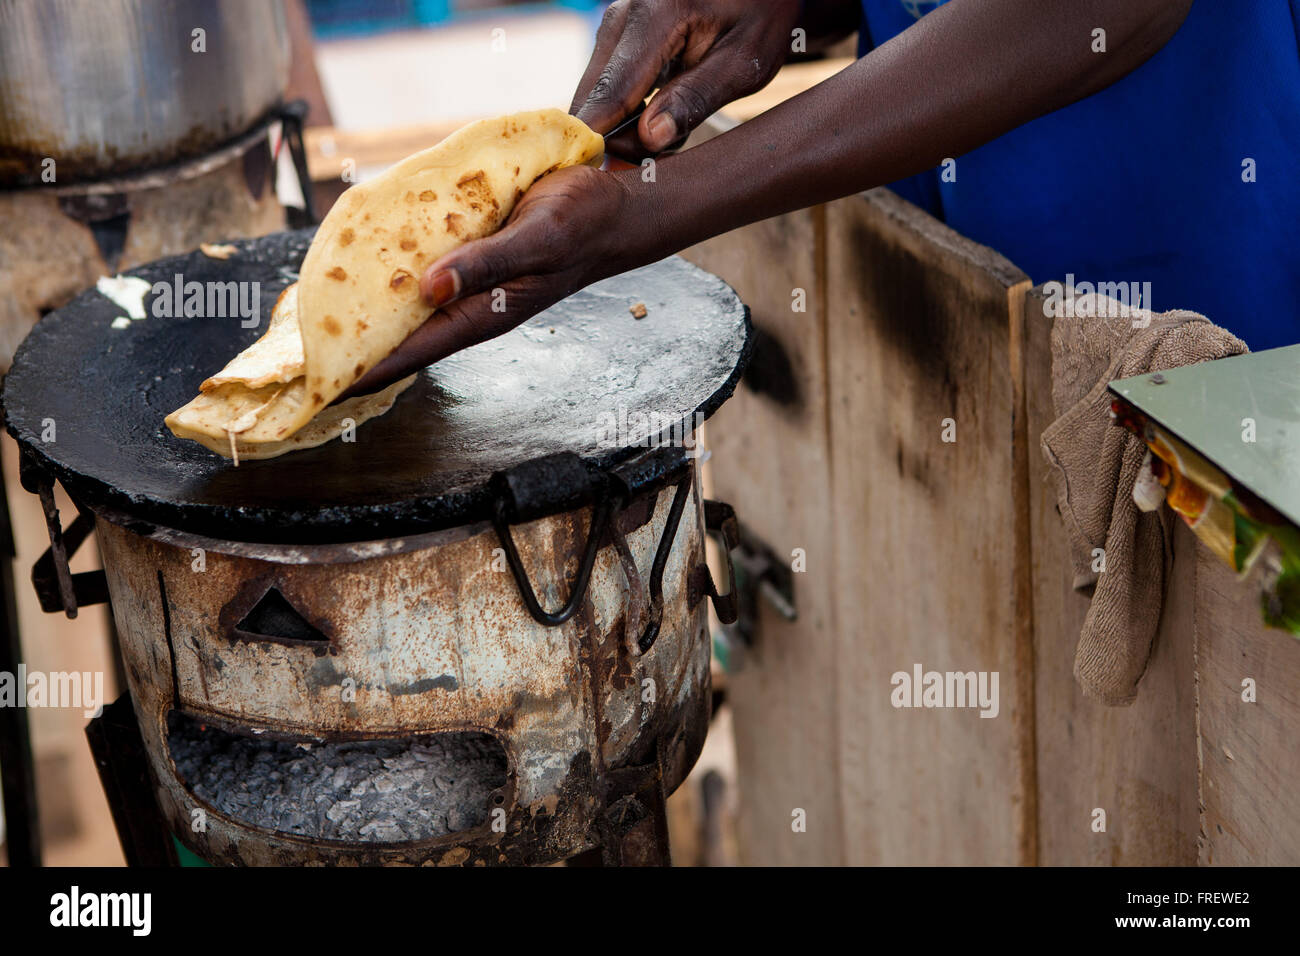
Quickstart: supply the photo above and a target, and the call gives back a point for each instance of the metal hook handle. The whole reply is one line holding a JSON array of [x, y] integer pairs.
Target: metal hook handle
[[599, 522], [720, 521]]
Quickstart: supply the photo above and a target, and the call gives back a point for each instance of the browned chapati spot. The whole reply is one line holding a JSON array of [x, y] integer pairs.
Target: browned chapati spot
[[399, 280], [428, 196], [346, 236], [407, 245], [359, 370], [337, 273], [331, 325], [452, 219], [315, 397]]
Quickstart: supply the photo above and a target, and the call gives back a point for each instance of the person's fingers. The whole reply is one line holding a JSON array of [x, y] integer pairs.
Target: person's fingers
[[607, 37], [462, 324], [525, 246], [725, 74], [651, 39]]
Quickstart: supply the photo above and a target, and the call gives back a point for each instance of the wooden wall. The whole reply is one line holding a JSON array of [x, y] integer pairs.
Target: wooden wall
[[952, 555], [908, 329]]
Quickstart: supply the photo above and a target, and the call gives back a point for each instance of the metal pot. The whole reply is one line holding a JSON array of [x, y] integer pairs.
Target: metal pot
[[116, 85]]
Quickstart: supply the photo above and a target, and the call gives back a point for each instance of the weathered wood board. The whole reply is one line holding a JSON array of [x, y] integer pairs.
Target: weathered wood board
[[924, 386], [1136, 763], [952, 555], [770, 460], [1250, 764]]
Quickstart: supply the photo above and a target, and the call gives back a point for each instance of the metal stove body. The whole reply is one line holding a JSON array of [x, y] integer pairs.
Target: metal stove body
[[427, 635], [455, 580]]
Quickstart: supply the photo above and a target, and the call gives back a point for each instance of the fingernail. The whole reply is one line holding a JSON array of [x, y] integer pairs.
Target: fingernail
[[443, 287], [663, 129]]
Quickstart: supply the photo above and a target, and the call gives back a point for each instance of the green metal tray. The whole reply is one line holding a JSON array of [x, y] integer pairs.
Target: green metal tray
[[1207, 406]]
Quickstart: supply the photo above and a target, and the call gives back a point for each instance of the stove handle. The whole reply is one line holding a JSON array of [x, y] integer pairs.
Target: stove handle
[[56, 587], [720, 521]]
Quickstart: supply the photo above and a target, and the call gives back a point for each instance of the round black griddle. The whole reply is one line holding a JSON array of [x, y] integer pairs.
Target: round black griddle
[[548, 386]]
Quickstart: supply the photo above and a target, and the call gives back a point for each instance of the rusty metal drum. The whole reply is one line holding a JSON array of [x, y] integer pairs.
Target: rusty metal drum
[[476, 636], [434, 639]]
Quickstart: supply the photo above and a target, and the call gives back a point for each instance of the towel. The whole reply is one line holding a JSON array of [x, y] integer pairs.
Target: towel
[[1094, 466]]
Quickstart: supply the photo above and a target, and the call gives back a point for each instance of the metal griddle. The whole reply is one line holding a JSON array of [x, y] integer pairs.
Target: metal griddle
[[427, 464]]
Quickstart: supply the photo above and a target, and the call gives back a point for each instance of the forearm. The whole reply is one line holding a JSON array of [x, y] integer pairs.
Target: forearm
[[965, 74]]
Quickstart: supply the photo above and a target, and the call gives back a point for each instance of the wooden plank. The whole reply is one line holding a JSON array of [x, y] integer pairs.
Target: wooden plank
[[771, 461], [1138, 763], [920, 330], [1250, 766]]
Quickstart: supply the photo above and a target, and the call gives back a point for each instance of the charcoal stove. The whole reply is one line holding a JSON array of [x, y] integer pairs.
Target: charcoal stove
[[476, 634]]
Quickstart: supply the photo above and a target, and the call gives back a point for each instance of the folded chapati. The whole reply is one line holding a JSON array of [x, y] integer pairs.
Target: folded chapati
[[357, 296]]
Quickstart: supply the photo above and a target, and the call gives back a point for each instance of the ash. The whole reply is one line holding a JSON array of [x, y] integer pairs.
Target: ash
[[374, 791]]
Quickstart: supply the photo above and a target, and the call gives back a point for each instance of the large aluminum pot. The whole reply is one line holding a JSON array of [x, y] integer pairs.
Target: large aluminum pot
[[114, 85]]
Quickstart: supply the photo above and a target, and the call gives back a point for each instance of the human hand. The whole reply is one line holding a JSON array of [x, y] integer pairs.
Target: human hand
[[573, 227], [702, 54]]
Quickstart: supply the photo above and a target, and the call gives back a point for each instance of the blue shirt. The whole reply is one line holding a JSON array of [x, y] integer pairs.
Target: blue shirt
[[1145, 181]]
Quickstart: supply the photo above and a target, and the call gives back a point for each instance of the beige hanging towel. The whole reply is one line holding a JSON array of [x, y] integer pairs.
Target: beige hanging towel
[[1094, 466]]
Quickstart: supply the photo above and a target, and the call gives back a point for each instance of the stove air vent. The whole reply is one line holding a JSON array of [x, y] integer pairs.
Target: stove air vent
[[273, 618]]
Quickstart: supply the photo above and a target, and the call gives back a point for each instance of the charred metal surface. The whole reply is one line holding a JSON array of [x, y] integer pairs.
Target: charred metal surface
[[543, 486], [429, 639], [558, 383]]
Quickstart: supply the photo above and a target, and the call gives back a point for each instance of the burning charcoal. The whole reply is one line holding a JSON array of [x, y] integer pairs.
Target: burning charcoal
[[374, 791], [341, 809]]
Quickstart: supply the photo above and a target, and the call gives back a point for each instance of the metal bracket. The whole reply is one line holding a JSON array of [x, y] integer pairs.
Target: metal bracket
[[292, 116], [760, 573], [57, 588], [720, 521], [107, 216]]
